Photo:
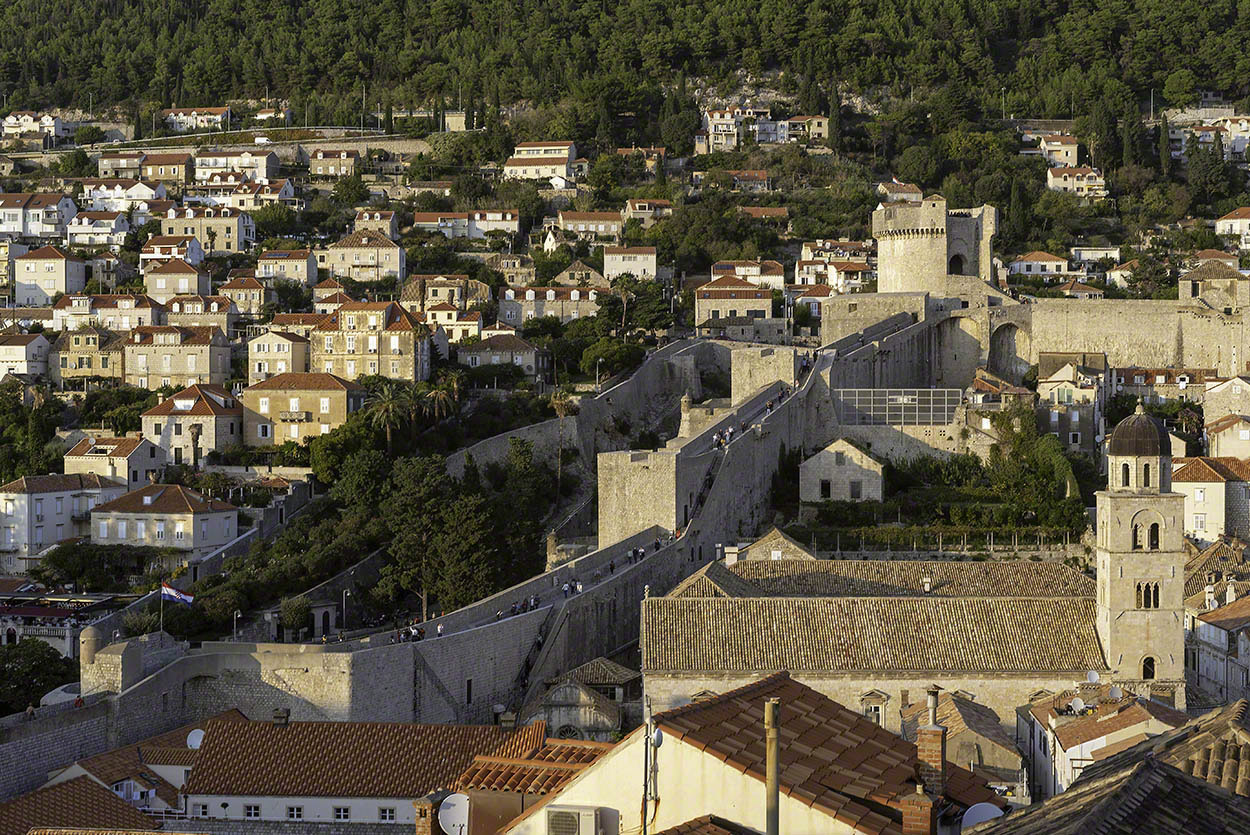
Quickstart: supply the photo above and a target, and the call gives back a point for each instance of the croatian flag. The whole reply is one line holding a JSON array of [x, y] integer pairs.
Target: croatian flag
[[170, 593]]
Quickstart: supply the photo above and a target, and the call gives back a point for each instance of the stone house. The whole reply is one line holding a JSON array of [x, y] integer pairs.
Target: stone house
[[534, 362], [730, 297], [194, 422], [541, 161], [1229, 259], [276, 352], [1229, 437], [1159, 385], [372, 338], [166, 516], [329, 304], [325, 288], [1073, 390], [1059, 150], [176, 168], [579, 274], [1217, 498], [841, 472], [157, 356], [299, 265], [458, 290], [84, 355], [517, 305], [1074, 289], [116, 311], [247, 294], [24, 353], [132, 461], [42, 510], [1217, 643], [975, 739], [249, 195], [517, 270], [383, 221], [43, 273], [745, 329], [591, 226], [176, 277], [120, 165], [328, 162], [1217, 284], [1226, 397], [214, 311], [300, 324], [297, 407], [595, 701], [222, 229], [365, 255], [638, 261], [647, 211]]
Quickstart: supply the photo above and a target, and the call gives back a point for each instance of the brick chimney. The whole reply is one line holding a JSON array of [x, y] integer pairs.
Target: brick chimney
[[424, 814], [1210, 591], [1230, 592], [931, 749], [919, 813]]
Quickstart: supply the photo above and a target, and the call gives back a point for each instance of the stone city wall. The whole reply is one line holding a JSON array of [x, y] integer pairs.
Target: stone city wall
[[58, 735]]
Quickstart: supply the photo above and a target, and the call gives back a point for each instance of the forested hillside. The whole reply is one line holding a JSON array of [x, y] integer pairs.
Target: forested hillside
[[1048, 55]]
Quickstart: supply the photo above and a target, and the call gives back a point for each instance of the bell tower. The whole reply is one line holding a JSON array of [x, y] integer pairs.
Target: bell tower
[[1141, 557]]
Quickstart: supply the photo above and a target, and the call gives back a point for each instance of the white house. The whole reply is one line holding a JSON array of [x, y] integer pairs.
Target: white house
[[638, 261], [26, 121], [1041, 264], [188, 119], [1081, 181], [43, 510], [119, 195], [1236, 224], [41, 215], [134, 462], [24, 353], [45, 272], [108, 228], [259, 166], [541, 161]]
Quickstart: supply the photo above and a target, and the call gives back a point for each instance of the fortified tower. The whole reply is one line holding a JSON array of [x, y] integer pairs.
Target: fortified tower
[[920, 244], [1141, 557]]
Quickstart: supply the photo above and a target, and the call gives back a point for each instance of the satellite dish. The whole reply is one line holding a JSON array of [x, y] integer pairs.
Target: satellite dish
[[1182, 384], [195, 739], [453, 814], [1119, 387], [1116, 692], [657, 738], [980, 813], [1077, 704], [1092, 676]]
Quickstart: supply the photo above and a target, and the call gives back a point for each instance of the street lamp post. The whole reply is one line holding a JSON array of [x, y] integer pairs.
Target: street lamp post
[[597, 363], [346, 594], [1004, 95], [237, 615]]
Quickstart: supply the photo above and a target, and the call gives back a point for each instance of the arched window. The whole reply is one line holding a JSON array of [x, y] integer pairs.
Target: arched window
[[1154, 536], [1145, 475], [1124, 475], [1137, 537], [1140, 603], [1154, 595], [1147, 668]]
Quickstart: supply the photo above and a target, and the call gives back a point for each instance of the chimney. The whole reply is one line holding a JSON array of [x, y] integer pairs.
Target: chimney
[[281, 717], [1210, 592], [928, 584], [931, 749], [424, 814], [507, 720], [772, 766], [919, 813], [1230, 592]]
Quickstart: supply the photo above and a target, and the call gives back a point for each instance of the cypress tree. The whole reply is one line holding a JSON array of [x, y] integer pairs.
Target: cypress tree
[[1165, 148], [1131, 132], [835, 116]]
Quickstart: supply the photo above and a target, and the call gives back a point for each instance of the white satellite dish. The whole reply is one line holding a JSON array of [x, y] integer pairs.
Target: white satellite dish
[[657, 738], [453, 814], [980, 813], [1077, 704], [195, 739], [1116, 692], [1092, 676]]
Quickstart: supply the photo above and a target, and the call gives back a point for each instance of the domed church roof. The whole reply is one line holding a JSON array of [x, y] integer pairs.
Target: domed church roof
[[1140, 434]]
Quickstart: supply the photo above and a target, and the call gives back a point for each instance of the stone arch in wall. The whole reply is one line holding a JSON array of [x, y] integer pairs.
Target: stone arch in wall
[[956, 264], [1009, 351]]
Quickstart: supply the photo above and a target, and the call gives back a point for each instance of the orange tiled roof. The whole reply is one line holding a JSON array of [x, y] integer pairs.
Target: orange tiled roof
[[81, 802]]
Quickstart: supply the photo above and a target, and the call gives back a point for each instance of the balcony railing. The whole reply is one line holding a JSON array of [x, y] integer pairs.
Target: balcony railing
[[294, 416]]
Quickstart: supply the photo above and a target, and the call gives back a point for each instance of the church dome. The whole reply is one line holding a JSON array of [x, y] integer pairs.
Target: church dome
[[1142, 435]]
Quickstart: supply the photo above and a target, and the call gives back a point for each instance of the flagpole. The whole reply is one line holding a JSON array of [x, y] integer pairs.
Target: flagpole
[[162, 593]]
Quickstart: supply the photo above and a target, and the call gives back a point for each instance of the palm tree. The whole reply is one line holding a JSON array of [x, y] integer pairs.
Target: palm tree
[[562, 404], [387, 408], [453, 382], [438, 403]]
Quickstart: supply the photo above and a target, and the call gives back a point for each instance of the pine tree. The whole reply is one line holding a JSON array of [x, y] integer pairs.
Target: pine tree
[[1131, 134], [835, 115], [1018, 212], [1165, 148]]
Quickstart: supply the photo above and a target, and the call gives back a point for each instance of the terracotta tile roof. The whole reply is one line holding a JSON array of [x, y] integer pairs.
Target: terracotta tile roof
[[905, 578], [299, 381], [339, 298], [1146, 798], [20, 338], [1219, 558], [1226, 422], [731, 267], [832, 758], [49, 253], [1038, 255], [435, 217], [707, 825], [1074, 286], [1231, 616], [168, 240], [539, 772], [394, 317], [188, 334], [347, 759], [328, 284], [333, 153], [81, 802], [607, 217], [1242, 213], [225, 302], [1213, 271], [57, 483], [1127, 265], [284, 254], [290, 319], [540, 293], [1104, 715], [206, 400], [169, 748], [1073, 169], [1198, 602], [957, 714], [165, 498], [242, 283], [885, 634], [139, 300], [1207, 469], [499, 342], [1204, 254], [629, 250], [366, 238], [765, 211], [552, 144], [291, 337], [117, 447], [175, 266]]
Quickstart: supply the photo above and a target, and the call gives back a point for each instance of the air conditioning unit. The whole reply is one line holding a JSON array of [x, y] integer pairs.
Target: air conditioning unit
[[373, 350], [573, 820]]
